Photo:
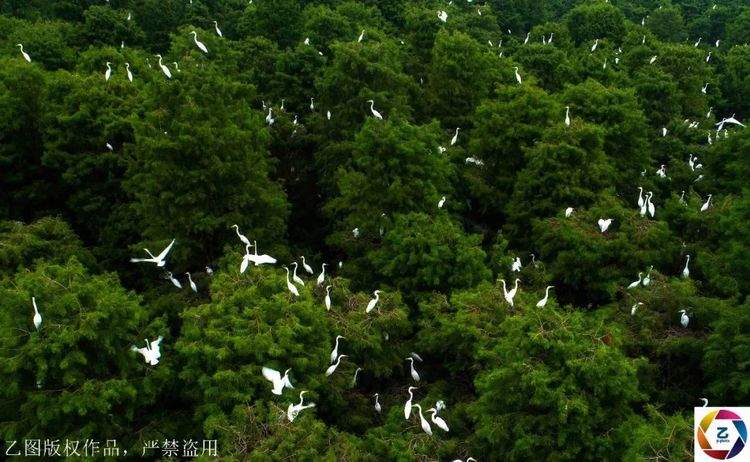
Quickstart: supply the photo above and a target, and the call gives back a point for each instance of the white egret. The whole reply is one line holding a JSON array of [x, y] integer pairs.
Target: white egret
[[650, 205], [422, 421], [416, 356], [328, 115], [292, 288], [158, 260], [567, 116], [708, 58], [328, 298], [192, 284], [442, 15], [698, 42], [705, 87], [37, 317], [440, 405], [151, 353], [295, 278], [332, 369], [705, 402], [269, 117], [717, 43], [662, 171], [355, 232], [322, 275], [209, 271], [361, 36], [596, 44], [635, 307], [127, 70], [604, 224], [454, 140], [664, 131], [438, 420], [653, 59], [277, 380], [335, 351], [24, 54], [730, 120], [682, 198], [407, 406], [474, 160], [647, 279], [640, 196], [413, 371], [686, 270], [164, 68], [509, 294], [174, 280], [109, 146], [246, 259], [378, 408], [470, 459], [526, 40], [441, 202], [307, 267], [198, 43], [516, 266], [294, 409], [543, 301], [108, 72], [568, 212], [373, 302], [261, 259], [218, 31], [706, 204], [684, 319], [356, 373], [373, 110], [307, 41], [518, 76], [635, 284]]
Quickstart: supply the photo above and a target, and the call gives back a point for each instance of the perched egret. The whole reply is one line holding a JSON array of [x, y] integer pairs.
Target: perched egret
[[151, 353], [422, 421], [332, 369], [441, 202], [127, 70], [509, 294], [307, 267], [704, 89], [454, 140], [647, 279], [516, 265], [416, 356], [567, 116], [568, 212], [543, 301], [526, 40], [664, 131], [174, 280], [706, 204], [407, 406], [684, 319], [108, 72], [413, 371], [328, 298], [518, 76], [698, 42], [604, 224], [635, 307], [24, 54], [375, 113], [440, 405], [277, 380], [295, 278], [335, 351], [373, 302], [438, 420], [708, 58], [158, 260], [662, 171], [596, 44], [218, 31], [269, 117], [322, 275], [164, 68], [635, 284], [650, 205], [653, 59], [37, 317], [356, 374], [292, 288], [474, 160], [378, 409], [109, 146], [442, 15], [686, 270], [192, 284], [640, 196], [198, 43], [361, 36]]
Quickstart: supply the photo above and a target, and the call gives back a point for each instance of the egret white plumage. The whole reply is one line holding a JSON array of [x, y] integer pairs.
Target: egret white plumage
[[437, 420], [407, 406], [640, 196], [441, 202], [332, 369], [24, 54], [635, 284], [378, 408], [335, 351], [374, 112], [516, 265], [442, 15], [307, 267], [108, 72], [164, 68], [328, 298], [454, 140], [686, 270], [518, 76], [361, 36], [684, 319], [705, 402], [604, 224], [151, 353], [192, 284], [292, 288], [37, 319], [174, 280], [635, 307], [295, 278], [278, 382], [373, 302], [422, 421], [413, 371], [706, 204], [567, 116], [356, 374], [158, 260], [198, 43], [543, 301], [509, 295], [322, 275], [568, 212], [293, 410], [127, 70], [218, 31], [596, 44], [647, 279]]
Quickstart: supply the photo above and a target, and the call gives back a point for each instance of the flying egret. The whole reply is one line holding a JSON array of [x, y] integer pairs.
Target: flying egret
[[378, 408], [518, 76], [373, 110], [277, 380], [218, 31], [361, 36], [108, 72], [151, 353], [192, 284], [158, 260], [198, 42], [164, 68], [37, 317], [568, 212], [567, 116], [684, 319], [516, 266], [543, 301], [335, 351], [686, 270], [292, 288], [414, 373], [604, 224], [705, 402], [261, 259], [294, 409], [127, 70], [407, 406], [730, 120], [635, 307], [295, 278], [328, 298], [438, 420], [322, 275], [173, 280], [24, 54], [307, 267], [454, 140], [373, 302], [442, 15], [441, 202], [332, 369], [635, 284], [422, 421], [706, 204]]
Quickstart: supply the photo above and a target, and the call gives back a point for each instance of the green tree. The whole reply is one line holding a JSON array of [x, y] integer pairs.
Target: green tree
[[600, 20], [667, 24]]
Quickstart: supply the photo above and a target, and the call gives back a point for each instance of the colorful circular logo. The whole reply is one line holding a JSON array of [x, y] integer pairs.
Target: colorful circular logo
[[722, 434]]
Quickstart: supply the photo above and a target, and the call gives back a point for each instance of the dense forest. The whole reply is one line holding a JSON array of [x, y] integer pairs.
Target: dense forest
[[547, 195]]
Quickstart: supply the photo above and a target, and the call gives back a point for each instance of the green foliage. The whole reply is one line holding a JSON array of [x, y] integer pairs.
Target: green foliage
[[596, 20]]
